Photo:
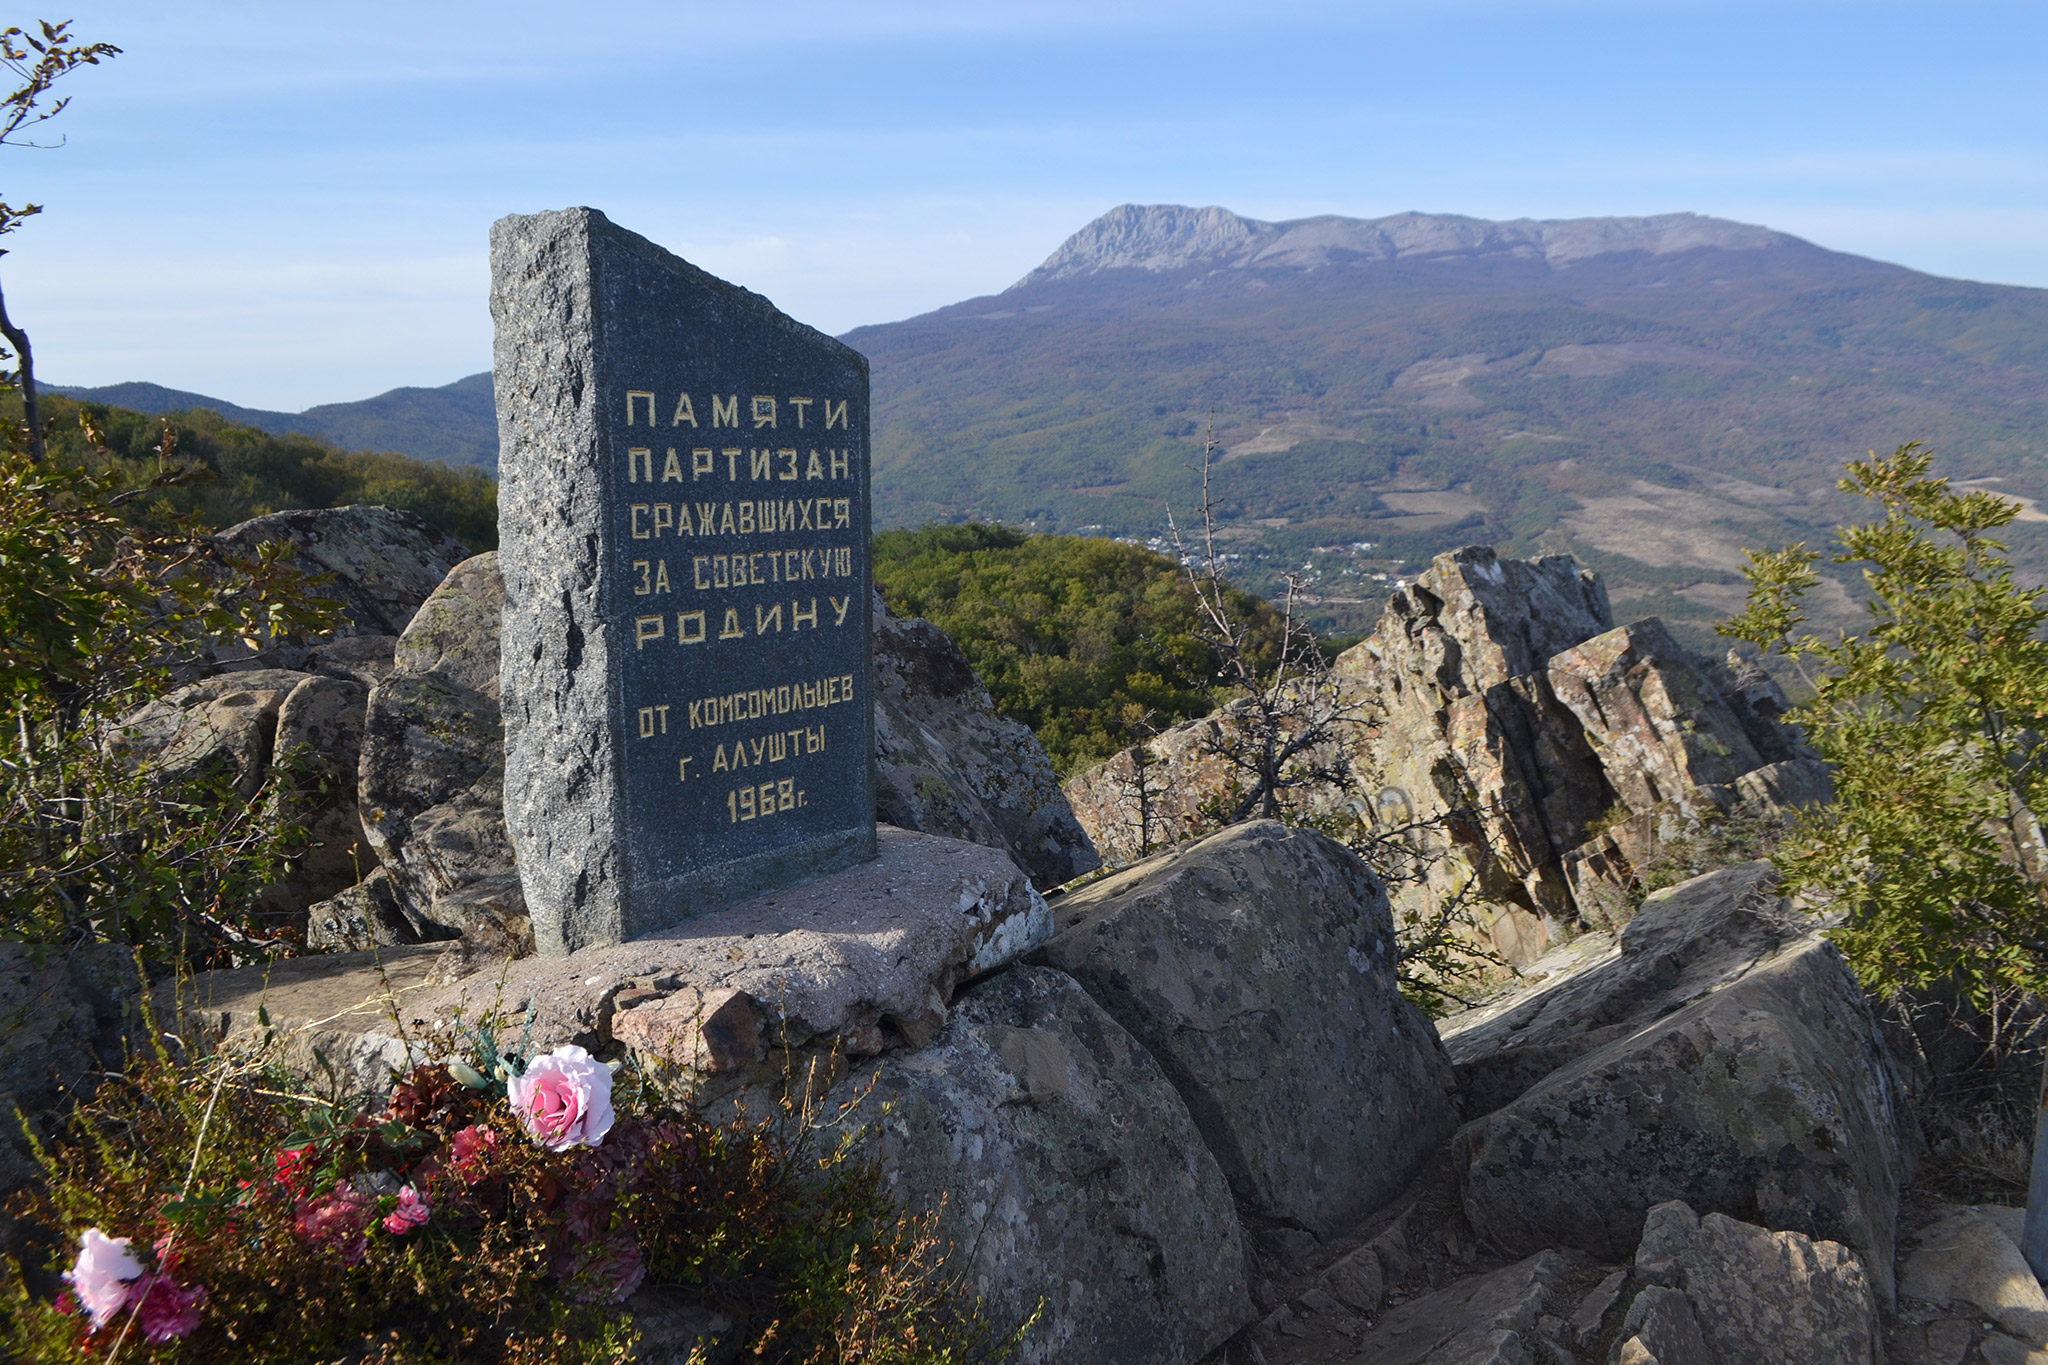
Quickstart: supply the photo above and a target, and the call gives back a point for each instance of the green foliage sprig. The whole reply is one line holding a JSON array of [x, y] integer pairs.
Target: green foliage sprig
[[97, 617], [1934, 718]]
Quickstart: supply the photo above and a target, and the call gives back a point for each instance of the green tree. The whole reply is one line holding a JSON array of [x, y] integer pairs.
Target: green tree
[[1934, 717]]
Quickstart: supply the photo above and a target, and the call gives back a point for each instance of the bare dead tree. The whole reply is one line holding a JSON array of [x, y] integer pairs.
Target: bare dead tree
[[1285, 729], [37, 61]]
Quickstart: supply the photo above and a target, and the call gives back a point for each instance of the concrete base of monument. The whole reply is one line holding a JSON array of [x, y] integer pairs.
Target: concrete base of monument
[[852, 964]]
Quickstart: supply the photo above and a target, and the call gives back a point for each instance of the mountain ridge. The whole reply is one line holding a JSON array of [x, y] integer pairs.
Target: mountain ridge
[[1161, 237], [454, 423]]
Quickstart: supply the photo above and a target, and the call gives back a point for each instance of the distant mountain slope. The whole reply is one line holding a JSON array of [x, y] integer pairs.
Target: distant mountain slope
[[1653, 394], [456, 424]]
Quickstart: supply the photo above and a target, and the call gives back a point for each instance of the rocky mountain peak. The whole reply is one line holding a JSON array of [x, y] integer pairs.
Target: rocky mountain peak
[[1173, 237]]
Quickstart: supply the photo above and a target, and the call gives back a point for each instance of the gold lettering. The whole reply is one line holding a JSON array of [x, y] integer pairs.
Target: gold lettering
[[707, 517], [664, 518], [839, 606], [647, 628], [759, 746], [814, 470], [797, 616], [660, 575], [727, 413], [842, 509], [700, 462], [757, 463], [685, 412], [718, 763], [835, 415], [697, 563], [844, 556], [640, 567], [683, 519], [686, 635], [778, 747], [801, 405], [789, 470], [732, 630], [633, 515], [725, 523], [633, 394], [683, 769], [672, 470], [637, 458], [764, 411], [760, 620], [747, 518], [732, 462], [839, 464]]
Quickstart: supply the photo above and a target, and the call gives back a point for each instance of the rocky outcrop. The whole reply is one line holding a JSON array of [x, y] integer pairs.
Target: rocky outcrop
[[1259, 964], [382, 564], [846, 966], [433, 772], [946, 763], [1769, 1096], [1720, 1292], [1546, 754], [288, 738], [1069, 1171]]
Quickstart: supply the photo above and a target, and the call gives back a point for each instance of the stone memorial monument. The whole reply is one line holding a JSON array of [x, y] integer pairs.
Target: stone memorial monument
[[683, 527]]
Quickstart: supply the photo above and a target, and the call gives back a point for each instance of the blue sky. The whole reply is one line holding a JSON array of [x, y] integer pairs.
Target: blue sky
[[283, 204]]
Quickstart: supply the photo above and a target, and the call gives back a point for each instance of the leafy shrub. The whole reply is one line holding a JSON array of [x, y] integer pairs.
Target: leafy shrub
[[1935, 719], [98, 616], [468, 1217]]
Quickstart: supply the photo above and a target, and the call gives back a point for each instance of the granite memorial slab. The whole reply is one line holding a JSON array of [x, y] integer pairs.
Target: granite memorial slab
[[683, 530]]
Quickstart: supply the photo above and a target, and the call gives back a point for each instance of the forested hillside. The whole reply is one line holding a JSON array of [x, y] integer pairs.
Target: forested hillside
[[1093, 644], [254, 472], [1653, 395]]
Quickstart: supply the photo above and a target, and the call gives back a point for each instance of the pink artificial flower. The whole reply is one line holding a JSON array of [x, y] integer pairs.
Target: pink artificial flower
[[564, 1099], [102, 1275], [412, 1212], [469, 1153], [337, 1220], [167, 1309]]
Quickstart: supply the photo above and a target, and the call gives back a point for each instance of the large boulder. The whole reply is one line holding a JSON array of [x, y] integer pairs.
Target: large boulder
[[319, 741], [1258, 966], [1068, 1171], [223, 727], [1686, 942], [946, 763], [1658, 727], [1770, 1097], [383, 564], [432, 780], [1724, 1292]]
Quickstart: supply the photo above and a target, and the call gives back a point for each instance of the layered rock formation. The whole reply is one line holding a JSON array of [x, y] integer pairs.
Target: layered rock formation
[[1548, 752]]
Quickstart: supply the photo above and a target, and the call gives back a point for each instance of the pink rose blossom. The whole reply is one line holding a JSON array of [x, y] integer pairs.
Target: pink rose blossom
[[564, 1099], [166, 1309], [102, 1274], [412, 1212]]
